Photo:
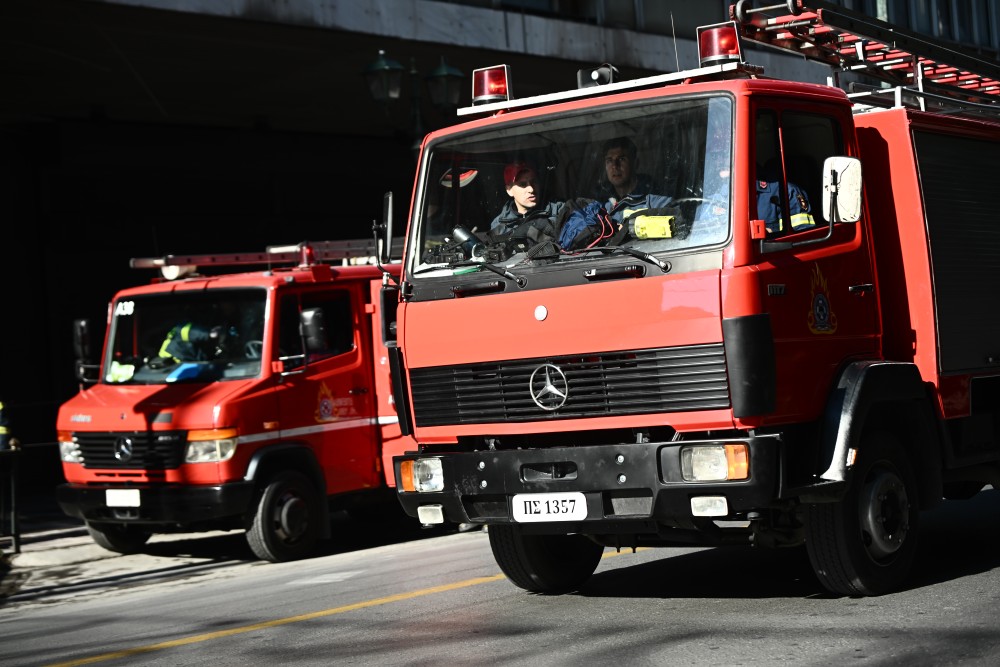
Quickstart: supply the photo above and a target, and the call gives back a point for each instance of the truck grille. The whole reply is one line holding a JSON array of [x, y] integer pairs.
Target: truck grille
[[597, 385], [158, 450]]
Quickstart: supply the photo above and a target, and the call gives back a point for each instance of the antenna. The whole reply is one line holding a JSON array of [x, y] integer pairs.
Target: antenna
[[673, 30]]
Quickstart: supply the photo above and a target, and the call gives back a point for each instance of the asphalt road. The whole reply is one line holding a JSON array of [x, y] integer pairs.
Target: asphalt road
[[439, 598]]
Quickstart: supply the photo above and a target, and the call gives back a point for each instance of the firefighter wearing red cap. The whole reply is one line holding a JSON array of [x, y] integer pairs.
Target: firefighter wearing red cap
[[521, 181]]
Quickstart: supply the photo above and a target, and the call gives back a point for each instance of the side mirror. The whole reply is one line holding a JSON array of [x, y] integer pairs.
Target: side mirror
[[842, 189], [385, 243], [81, 340], [314, 333], [85, 369], [389, 304]]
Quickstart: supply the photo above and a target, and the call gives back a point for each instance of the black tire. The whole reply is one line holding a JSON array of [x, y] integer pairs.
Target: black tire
[[865, 544], [285, 523], [120, 538], [548, 564]]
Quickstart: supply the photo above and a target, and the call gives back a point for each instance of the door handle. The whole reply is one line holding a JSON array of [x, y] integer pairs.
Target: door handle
[[861, 289], [358, 390]]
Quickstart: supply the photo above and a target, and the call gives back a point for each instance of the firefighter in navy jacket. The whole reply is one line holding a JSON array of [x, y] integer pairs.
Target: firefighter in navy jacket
[[769, 203]]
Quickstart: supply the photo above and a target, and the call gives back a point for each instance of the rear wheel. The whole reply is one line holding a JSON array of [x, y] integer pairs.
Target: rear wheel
[[865, 544], [544, 563], [120, 538], [285, 523]]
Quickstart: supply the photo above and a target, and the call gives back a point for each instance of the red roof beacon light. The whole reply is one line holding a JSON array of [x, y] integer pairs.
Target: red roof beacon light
[[718, 44], [491, 84]]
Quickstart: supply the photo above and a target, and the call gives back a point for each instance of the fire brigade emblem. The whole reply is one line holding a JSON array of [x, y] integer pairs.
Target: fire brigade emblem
[[548, 387], [325, 409], [822, 319]]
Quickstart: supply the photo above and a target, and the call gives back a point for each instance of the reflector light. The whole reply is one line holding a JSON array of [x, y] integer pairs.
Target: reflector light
[[490, 84], [719, 44]]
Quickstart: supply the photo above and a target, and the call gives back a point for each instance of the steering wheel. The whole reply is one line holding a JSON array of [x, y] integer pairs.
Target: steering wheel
[[253, 349]]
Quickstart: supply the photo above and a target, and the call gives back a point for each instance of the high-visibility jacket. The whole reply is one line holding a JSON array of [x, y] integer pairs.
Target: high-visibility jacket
[[187, 342]]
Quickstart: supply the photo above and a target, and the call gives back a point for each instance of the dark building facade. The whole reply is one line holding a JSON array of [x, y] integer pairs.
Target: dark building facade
[[136, 128]]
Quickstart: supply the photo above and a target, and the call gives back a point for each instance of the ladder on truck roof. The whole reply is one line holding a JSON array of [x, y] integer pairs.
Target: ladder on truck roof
[[359, 251], [922, 71]]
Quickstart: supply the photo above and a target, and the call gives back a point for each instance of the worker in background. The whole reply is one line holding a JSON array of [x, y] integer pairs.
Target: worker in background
[[5, 435]]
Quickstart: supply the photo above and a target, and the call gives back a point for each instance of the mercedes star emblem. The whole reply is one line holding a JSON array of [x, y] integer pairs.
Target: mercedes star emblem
[[548, 387], [123, 449]]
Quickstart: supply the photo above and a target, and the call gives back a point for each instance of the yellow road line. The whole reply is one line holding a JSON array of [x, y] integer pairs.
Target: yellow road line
[[195, 639], [138, 650]]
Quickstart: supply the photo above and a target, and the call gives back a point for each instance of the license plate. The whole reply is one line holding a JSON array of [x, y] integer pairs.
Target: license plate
[[529, 507], [121, 497]]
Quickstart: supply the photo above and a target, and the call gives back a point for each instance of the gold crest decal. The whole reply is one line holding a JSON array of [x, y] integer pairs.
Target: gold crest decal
[[324, 405], [822, 319]]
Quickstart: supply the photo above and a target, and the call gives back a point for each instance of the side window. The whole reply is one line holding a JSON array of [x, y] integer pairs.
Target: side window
[[790, 149], [338, 316]]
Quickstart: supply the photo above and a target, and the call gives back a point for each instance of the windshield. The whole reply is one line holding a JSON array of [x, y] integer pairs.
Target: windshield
[[199, 336], [654, 178]]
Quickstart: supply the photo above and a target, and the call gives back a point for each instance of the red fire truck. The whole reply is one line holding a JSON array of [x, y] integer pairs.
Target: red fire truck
[[777, 332], [235, 401]]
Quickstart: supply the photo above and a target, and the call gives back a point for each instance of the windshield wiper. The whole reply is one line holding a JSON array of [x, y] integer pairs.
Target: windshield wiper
[[503, 271], [663, 265], [499, 270]]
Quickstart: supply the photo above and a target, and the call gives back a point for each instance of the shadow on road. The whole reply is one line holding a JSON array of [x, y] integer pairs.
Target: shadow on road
[[959, 538], [347, 535]]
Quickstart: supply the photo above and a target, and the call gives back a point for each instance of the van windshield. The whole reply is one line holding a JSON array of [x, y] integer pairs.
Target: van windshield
[[202, 336], [542, 193]]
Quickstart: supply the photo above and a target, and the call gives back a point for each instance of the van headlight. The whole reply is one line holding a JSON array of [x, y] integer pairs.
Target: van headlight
[[69, 448], [211, 445]]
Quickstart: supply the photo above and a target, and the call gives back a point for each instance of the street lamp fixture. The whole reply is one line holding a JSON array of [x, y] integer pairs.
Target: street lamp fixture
[[384, 78], [444, 84]]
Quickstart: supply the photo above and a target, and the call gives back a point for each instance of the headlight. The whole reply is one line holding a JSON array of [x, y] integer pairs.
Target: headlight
[[211, 446], [421, 475], [715, 463], [69, 450]]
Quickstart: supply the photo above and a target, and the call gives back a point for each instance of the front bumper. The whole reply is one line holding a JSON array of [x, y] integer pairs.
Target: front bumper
[[164, 505], [629, 488]]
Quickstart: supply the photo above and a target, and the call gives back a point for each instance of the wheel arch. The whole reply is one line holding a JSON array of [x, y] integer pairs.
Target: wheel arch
[[290, 456], [873, 395]]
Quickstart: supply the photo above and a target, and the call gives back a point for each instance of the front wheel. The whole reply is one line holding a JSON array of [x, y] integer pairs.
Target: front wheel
[[120, 538], [285, 523], [866, 543], [544, 563]]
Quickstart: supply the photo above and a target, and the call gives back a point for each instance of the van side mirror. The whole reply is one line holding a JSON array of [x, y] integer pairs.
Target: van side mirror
[[314, 332], [842, 189], [81, 340], [86, 370]]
